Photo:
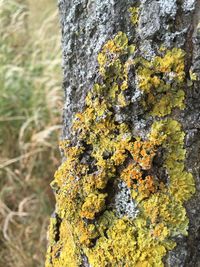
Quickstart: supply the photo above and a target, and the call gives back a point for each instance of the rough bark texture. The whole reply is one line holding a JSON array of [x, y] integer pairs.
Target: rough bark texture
[[86, 26]]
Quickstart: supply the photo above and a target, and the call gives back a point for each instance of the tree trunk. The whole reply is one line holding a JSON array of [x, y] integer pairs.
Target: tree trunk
[[127, 193]]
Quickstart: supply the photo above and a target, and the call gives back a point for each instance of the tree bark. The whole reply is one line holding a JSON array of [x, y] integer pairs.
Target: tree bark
[[150, 82]]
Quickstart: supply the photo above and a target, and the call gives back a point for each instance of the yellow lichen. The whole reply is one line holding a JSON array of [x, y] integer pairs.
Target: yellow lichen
[[93, 204], [162, 79], [169, 134], [86, 233], [134, 14], [130, 243], [63, 252], [113, 49], [193, 76], [103, 151]]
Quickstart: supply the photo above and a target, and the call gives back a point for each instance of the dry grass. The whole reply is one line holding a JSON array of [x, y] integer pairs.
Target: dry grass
[[30, 108]]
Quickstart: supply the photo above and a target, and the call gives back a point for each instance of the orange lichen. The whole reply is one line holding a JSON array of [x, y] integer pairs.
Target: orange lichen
[[143, 153], [86, 233], [94, 203], [131, 175], [147, 186]]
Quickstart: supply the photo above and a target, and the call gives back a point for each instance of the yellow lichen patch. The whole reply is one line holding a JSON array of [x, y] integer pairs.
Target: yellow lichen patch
[[122, 143], [64, 252], [134, 14], [161, 207], [121, 100], [162, 79], [182, 184], [130, 243], [94, 203], [112, 50], [170, 135], [86, 233], [98, 180], [193, 76], [118, 249], [160, 231]]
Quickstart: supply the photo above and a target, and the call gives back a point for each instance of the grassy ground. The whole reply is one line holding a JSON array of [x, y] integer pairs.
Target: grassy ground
[[30, 108]]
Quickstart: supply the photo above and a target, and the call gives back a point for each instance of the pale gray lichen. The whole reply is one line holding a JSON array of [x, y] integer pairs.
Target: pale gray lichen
[[137, 95], [147, 50], [124, 203], [140, 128], [168, 7], [188, 5], [149, 22], [170, 37]]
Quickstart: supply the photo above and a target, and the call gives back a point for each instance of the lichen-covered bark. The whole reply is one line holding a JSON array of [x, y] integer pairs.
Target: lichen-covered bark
[[131, 142]]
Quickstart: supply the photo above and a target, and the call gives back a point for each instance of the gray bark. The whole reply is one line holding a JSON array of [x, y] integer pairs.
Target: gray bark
[[86, 25]]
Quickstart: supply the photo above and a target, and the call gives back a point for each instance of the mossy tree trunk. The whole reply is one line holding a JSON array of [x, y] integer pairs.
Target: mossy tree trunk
[[127, 193]]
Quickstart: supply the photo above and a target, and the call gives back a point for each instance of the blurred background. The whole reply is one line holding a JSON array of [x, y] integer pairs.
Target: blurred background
[[30, 118]]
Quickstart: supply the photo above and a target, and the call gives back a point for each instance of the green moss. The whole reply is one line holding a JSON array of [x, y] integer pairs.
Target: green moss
[[106, 151]]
